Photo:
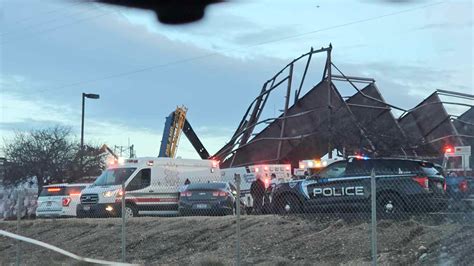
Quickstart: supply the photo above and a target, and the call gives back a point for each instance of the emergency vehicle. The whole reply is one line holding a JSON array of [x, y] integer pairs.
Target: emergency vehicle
[[457, 165], [272, 174], [402, 185], [152, 186], [307, 168], [59, 200]]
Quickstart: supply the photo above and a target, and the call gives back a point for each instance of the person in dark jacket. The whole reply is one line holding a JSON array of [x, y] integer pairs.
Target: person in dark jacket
[[257, 191]]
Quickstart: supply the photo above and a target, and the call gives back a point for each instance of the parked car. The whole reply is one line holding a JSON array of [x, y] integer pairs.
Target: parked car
[[59, 200], [402, 185], [217, 198]]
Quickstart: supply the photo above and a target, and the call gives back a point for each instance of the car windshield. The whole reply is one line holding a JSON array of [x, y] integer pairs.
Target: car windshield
[[114, 176], [431, 171]]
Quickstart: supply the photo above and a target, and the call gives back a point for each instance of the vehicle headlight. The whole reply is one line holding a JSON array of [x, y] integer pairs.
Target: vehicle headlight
[[110, 193]]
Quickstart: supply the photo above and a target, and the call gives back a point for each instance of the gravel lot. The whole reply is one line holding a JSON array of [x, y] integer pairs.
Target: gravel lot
[[266, 240]]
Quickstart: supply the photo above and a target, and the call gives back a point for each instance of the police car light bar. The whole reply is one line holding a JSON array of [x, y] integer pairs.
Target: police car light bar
[[360, 157]]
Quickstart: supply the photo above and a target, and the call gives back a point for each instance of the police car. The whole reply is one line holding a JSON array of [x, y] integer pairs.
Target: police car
[[401, 185], [59, 200]]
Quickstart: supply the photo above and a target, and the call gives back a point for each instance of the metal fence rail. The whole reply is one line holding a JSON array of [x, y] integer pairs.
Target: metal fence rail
[[362, 212], [59, 250]]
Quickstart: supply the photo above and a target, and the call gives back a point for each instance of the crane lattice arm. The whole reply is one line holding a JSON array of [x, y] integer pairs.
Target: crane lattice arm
[[176, 123], [173, 127]]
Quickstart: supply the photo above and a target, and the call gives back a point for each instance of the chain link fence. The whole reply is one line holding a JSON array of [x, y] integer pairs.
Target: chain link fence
[[354, 212]]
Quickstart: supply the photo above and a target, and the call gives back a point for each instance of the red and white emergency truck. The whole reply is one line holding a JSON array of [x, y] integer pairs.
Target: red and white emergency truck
[[458, 167], [152, 186]]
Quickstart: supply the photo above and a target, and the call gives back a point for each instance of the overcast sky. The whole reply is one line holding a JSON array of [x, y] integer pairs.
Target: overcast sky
[[52, 51]]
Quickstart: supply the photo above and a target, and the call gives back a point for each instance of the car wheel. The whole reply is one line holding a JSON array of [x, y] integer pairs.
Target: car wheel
[[390, 205], [130, 211], [234, 209], [248, 210], [288, 204], [243, 210]]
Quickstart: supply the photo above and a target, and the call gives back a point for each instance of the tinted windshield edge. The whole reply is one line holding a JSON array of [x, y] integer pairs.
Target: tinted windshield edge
[[114, 176]]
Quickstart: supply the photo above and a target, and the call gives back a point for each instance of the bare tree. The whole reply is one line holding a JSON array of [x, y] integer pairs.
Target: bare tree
[[86, 163], [51, 155]]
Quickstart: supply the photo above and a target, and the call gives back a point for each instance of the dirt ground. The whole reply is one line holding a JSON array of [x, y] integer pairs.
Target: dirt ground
[[266, 240]]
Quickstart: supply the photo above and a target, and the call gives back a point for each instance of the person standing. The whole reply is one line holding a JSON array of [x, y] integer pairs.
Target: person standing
[[257, 191], [185, 186]]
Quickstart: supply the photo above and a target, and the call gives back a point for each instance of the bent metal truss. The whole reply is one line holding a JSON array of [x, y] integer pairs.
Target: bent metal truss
[[320, 120]]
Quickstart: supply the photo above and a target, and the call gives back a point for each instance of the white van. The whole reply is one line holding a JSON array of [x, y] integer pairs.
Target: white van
[[152, 186], [272, 174]]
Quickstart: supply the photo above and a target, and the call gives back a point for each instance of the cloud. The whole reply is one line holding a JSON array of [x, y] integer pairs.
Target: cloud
[[446, 26], [404, 85], [28, 124], [260, 35], [142, 73], [131, 106]]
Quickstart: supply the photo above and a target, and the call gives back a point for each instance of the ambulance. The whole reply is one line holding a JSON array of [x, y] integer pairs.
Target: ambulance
[[152, 186], [310, 167], [272, 175]]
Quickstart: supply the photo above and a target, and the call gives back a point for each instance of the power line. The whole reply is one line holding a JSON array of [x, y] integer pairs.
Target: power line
[[348, 24], [78, 21], [27, 27], [195, 58], [46, 13]]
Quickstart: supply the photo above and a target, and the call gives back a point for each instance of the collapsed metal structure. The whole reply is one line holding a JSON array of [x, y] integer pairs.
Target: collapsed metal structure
[[322, 120]]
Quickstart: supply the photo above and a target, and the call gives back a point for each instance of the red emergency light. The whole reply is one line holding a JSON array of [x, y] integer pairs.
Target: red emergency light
[[448, 150], [66, 201]]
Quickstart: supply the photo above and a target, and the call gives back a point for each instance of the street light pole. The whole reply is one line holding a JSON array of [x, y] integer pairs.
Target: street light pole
[[84, 96], [82, 122]]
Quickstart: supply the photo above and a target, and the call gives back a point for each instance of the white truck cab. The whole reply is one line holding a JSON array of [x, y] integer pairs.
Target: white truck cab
[[152, 186], [458, 159], [309, 167]]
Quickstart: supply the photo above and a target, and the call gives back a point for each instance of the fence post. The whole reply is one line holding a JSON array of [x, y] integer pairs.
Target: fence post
[[123, 223], [373, 231], [237, 183], [18, 218]]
